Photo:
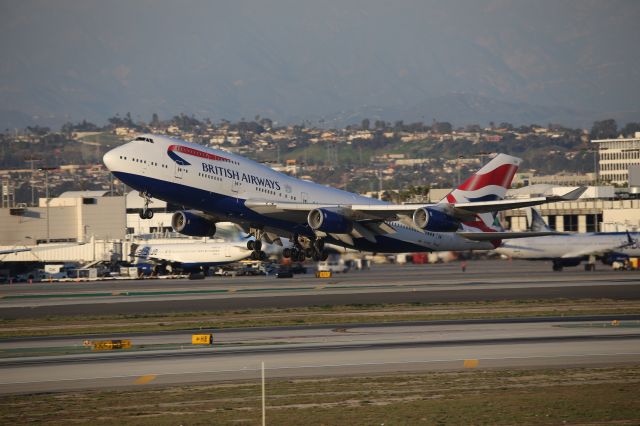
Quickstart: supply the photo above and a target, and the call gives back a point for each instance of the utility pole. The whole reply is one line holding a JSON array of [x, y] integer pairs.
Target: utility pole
[[33, 189], [46, 186]]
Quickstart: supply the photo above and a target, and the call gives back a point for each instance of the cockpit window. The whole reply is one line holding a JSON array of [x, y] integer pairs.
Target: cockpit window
[[143, 139]]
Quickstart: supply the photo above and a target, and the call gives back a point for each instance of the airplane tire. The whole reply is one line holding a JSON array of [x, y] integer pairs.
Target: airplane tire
[[301, 256], [257, 245], [286, 253], [324, 256], [309, 252], [255, 255], [148, 214], [142, 214], [262, 255], [250, 245], [317, 256]]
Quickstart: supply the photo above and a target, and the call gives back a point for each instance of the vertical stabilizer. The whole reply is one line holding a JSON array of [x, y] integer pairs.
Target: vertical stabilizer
[[490, 183]]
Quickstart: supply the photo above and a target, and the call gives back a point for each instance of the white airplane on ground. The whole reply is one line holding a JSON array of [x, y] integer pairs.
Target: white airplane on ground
[[570, 249], [214, 185], [189, 257]]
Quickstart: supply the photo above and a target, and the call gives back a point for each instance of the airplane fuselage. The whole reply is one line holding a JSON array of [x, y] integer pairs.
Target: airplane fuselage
[[191, 255], [562, 246], [218, 183]]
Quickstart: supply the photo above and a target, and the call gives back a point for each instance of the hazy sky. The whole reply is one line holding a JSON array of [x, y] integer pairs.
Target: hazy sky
[[293, 60]]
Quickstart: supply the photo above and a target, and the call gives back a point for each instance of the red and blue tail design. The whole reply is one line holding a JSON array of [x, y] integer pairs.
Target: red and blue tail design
[[490, 183]]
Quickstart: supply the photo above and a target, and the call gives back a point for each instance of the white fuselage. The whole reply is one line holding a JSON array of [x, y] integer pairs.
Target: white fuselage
[[219, 182], [192, 254], [568, 246]]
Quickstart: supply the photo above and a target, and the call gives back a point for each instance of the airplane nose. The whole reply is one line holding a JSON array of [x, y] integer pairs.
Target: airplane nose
[[109, 159]]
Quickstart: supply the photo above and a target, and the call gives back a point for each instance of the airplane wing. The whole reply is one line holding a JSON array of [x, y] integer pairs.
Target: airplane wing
[[367, 213]]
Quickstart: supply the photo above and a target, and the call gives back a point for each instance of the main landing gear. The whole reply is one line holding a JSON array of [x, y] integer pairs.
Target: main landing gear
[[146, 212], [256, 245], [257, 253], [304, 248]]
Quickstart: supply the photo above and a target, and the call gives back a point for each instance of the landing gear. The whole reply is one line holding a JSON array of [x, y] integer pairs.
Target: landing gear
[[146, 212], [557, 266], [304, 248], [256, 245]]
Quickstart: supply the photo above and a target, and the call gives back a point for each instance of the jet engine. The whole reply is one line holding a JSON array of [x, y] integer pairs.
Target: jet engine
[[434, 220], [192, 224], [329, 221]]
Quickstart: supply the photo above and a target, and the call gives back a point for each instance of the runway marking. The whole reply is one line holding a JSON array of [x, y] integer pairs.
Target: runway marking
[[257, 369], [143, 380]]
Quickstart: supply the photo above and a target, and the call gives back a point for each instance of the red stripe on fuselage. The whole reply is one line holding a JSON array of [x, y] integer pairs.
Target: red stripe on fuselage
[[500, 176], [196, 153]]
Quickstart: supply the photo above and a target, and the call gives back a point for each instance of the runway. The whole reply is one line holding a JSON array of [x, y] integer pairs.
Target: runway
[[32, 365], [484, 280]]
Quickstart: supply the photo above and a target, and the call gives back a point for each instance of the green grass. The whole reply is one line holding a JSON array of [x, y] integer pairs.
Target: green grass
[[347, 314], [493, 397]]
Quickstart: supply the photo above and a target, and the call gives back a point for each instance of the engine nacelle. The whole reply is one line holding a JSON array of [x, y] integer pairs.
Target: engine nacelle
[[434, 220], [192, 224], [329, 221]]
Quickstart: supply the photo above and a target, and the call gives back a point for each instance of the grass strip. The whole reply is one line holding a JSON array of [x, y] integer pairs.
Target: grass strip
[[609, 395], [315, 315]]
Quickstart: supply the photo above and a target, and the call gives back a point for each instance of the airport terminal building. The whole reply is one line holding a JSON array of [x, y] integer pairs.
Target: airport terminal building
[[617, 157]]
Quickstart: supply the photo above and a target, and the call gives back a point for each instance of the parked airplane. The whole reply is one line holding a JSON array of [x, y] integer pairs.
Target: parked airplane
[[214, 185], [570, 249], [188, 257]]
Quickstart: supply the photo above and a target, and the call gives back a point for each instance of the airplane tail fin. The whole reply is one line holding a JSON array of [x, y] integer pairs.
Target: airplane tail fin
[[536, 222], [490, 183]]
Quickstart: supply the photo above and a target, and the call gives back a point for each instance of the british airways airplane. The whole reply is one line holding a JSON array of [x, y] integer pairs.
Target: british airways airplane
[[215, 186]]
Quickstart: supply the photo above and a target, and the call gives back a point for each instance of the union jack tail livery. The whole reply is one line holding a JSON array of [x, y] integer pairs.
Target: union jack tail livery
[[490, 183]]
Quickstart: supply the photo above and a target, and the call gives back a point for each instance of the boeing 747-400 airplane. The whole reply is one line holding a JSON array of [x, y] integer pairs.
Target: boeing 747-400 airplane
[[214, 186]]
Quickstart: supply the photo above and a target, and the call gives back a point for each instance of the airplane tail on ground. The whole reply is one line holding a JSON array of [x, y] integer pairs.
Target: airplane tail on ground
[[490, 183], [536, 222]]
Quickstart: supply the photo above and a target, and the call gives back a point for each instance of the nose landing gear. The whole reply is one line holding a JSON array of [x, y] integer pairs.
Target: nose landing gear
[[146, 212]]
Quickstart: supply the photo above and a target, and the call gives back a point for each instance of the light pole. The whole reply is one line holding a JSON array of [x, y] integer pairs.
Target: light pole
[[46, 186]]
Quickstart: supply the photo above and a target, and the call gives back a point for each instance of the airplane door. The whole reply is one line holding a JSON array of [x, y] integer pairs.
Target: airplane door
[[227, 250], [179, 171]]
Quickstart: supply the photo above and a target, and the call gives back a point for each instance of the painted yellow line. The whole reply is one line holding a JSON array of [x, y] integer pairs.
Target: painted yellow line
[[143, 380], [232, 290], [471, 363], [320, 287]]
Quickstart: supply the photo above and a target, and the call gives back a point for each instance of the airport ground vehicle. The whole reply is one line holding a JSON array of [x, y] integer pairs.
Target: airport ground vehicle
[[284, 272], [334, 265]]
